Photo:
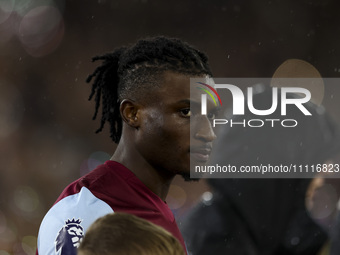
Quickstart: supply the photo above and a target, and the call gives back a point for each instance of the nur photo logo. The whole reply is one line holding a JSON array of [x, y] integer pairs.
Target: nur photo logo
[[281, 100]]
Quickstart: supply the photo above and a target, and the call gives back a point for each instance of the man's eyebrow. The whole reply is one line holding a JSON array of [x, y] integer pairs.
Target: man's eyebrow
[[189, 102], [217, 109]]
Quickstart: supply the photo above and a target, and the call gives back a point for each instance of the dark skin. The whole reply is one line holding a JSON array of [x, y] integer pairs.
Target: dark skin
[[155, 143]]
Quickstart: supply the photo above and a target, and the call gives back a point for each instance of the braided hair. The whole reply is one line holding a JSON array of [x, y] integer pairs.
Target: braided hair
[[125, 72]]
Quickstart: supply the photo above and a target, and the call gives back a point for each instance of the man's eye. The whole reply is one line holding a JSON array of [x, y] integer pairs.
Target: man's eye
[[211, 116], [186, 112]]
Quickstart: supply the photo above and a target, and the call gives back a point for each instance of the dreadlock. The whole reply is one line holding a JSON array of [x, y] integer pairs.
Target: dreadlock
[[127, 70]]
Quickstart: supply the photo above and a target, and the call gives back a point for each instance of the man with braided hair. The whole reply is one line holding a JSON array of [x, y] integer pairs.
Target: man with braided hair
[[144, 93]]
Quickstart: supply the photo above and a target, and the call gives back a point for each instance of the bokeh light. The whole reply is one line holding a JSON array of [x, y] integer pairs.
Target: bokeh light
[[6, 9], [207, 197], [29, 244], [24, 6], [38, 24], [325, 201], [11, 109], [99, 156], [297, 68], [26, 201], [96, 158], [8, 234], [41, 30], [176, 197]]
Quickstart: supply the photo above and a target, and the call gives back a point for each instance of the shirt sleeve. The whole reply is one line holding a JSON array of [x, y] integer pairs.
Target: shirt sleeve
[[65, 224]]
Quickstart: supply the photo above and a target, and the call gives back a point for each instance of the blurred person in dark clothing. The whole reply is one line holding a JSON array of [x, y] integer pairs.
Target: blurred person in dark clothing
[[335, 239], [263, 216]]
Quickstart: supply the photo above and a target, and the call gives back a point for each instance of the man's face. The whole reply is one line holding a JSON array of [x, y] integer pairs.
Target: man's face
[[163, 137]]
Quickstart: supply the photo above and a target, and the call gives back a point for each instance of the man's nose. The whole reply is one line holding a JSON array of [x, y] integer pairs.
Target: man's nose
[[204, 130]]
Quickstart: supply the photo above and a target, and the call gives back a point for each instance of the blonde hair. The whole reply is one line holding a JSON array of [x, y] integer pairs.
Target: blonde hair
[[126, 234]]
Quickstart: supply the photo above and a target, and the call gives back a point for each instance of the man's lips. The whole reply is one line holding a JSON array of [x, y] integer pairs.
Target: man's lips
[[200, 154]]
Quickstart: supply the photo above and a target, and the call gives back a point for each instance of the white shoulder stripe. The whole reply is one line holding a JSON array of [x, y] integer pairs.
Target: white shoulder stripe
[[68, 220]]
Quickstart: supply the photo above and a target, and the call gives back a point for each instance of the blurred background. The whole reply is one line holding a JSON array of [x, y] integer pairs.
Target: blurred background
[[47, 136]]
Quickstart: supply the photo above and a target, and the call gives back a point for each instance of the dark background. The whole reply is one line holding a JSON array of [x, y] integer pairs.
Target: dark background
[[46, 133]]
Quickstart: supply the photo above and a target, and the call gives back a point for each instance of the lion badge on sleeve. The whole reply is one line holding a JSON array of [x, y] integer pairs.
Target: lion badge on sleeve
[[69, 237]]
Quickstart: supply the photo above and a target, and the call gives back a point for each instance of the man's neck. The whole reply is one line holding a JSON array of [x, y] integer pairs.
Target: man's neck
[[157, 181]]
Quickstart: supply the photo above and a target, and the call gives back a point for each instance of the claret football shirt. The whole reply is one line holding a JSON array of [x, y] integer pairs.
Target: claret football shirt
[[111, 187]]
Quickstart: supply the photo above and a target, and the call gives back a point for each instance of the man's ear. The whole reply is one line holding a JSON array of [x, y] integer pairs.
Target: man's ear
[[129, 110]]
